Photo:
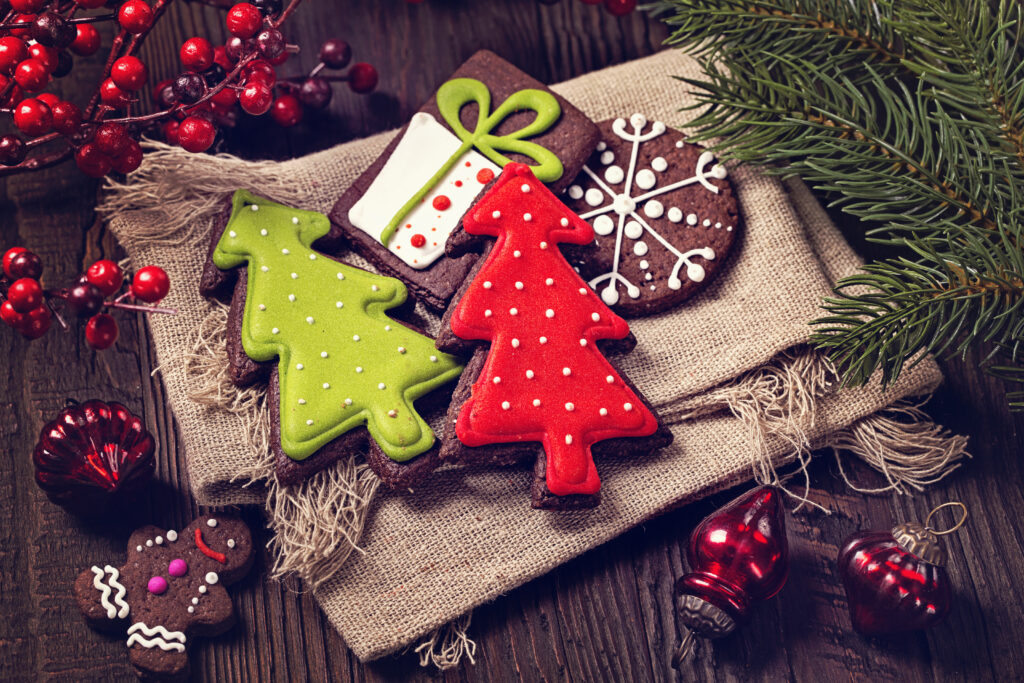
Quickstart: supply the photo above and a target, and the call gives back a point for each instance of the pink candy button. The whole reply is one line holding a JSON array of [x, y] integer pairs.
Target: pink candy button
[[177, 567], [157, 585]]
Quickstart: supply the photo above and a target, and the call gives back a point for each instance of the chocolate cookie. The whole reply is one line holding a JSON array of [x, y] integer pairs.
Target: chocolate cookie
[[664, 215], [169, 590], [413, 197], [542, 387]]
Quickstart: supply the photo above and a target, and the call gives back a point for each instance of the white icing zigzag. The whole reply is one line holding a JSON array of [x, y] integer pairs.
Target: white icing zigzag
[[161, 640], [119, 608]]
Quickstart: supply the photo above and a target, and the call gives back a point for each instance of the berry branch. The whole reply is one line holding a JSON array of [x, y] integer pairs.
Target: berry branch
[[37, 38]]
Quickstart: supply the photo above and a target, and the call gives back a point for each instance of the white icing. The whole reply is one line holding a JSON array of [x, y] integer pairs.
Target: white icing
[[640, 248], [644, 265], [634, 230], [645, 179], [602, 146], [211, 523], [166, 640], [116, 608], [202, 589], [603, 225], [593, 197], [191, 609], [614, 174], [575, 192], [659, 164], [424, 148], [607, 157], [654, 209], [675, 214], [691, 219], [211, 578]]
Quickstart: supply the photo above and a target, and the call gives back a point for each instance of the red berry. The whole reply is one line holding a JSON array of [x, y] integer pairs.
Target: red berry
[[23, 18], [12, 51], [280, 59], [135, 16], [101, 331], [33, 117], [9, 257], [110, 138], [336, 53], [67, 118], [256, 98], [244, 20], [87, 40], [271, 43], [225, 98], [92, 161], [129, 73], [26, 264], [196, 134], [315, 92], [37, 323], [11, 316], [196, 54], [91, 4], [287, 110], [49, 98], [32, 75], [52, 29], [25, 295], [106, 276], [28, 5], [130, 157], [260, 70], [47, 55], [12, 150], [619, 8], [170, 130], [113, 96], [84, 300], [151, 283], [362, 77], [220, 56]]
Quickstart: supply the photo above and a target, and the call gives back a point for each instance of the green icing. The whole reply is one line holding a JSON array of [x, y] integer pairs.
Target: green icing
[[325, 323], [457, 93]]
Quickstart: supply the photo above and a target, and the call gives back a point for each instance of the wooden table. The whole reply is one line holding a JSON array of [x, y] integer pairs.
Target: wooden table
[[608, 615]]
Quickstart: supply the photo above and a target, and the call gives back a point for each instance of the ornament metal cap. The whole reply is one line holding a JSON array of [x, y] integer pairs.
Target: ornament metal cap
[[923, 541]]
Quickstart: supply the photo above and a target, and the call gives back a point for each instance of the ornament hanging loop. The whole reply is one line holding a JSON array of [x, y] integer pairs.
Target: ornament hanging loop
[[684, 650], [960, 523]]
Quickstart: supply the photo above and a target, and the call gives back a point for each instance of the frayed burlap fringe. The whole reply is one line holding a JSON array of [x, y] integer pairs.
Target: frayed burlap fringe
[[445, 647]]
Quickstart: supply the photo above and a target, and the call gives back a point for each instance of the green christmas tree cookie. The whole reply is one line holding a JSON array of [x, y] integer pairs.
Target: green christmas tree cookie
[[342, 362]]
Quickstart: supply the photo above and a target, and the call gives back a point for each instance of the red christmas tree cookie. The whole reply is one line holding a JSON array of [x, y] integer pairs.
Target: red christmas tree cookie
[[544, 380]]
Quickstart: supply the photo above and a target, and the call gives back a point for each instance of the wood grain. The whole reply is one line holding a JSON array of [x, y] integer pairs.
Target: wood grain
[[608, 615]]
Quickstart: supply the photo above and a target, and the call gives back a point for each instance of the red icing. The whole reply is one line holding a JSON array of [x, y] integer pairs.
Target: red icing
[[206, 550], [484, 176], [458, 183], [468, 164], [442, 203], [483, 420], [418, 240]]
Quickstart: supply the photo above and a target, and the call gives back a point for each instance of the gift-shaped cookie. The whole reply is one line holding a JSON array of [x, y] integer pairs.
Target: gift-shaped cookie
[[543, 388], [400, 213], [169, 590]]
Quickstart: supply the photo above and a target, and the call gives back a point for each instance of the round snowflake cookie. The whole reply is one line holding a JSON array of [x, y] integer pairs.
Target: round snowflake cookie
[[663, 213]]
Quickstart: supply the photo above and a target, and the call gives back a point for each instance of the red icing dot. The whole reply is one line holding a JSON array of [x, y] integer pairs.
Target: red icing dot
[[441, 202], [418, 240], [408, 225], [484, 176], [468, 164], [458, 183]]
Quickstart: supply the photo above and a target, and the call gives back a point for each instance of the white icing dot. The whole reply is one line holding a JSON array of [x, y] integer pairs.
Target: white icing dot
[[519, 285], [355, 337], [513, 311], [191, 609], [644, 265], [675, 214], [496, 380], [583, 290], [645, 179], [327, 385], [614, 174], [603, 412], [543, 245], [309, 319], [719, 171], [640, 248], [309, 422], [265, 269], [392, 413], [295, 220], [139, 548], [679, 144], [728, 229], [487, 313], [202, 589], [291, 297], [549, 281], [505, 405], [604, 225], [172, 535], [387, 328], [602, 146], [341, 276], [568, 440], [231, 543], [536, 402], [659, 164], [595, 317], [433, 359], [359, 369], [566, 372], [323, 354], [627, 407], [609, 379], [654, 209], [607, 157], [302, 401], [263, 232], [374, 288], [583, 342], [634, 230], [195, 601], [550, 313], [275, 330], [262, 307], [211, 578], [529, 374], [648, 277], [638, 120], [564, 222], [159, 540], [593, 197], [212, 523], [285, 252], [149, 543], [232, 233], [312, 257], [496, 214], [488, 284], [299, 366], [575, 192], [517, 253], [543, 340], [706, 223], [570, 407], [515, 343], [338, 304], [382, 386], [401, 349], [525, 187], [348, 401], [691, 219]]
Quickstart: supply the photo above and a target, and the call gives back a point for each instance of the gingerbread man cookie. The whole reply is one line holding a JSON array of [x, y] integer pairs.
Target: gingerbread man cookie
[[170, 589]]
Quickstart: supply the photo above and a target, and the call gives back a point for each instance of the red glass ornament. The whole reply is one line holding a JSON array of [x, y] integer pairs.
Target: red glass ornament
[[737, 556], [92, 453], [896, 581]]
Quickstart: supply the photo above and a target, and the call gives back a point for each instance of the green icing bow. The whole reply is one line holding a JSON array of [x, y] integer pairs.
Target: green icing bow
[[457, 93]]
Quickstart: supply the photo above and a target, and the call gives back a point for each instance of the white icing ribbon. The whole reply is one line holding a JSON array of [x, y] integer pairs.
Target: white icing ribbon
[[165, 640], [118, 608]]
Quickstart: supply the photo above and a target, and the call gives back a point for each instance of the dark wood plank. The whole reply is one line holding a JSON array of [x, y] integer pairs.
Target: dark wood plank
[[609, 615]]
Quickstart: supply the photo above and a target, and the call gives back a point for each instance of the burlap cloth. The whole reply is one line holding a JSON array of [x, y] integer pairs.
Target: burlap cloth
[[729, 370]]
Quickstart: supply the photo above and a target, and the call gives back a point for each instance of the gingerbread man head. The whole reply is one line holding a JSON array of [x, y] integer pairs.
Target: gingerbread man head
[[170, 589]]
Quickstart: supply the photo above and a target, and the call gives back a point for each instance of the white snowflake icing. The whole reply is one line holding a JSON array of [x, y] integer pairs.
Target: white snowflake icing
[[631, 207]]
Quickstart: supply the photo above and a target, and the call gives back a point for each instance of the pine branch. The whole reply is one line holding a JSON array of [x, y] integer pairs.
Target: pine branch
[[910, 115]]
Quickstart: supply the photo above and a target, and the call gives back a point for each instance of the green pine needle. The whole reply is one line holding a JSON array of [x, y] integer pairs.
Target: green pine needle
[[910, 115]]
